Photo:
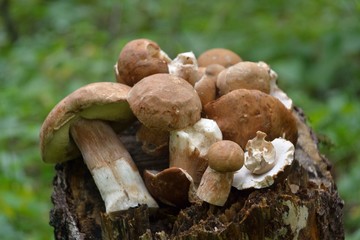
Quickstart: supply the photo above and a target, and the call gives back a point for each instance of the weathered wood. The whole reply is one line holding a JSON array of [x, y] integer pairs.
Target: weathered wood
[[305, 205]]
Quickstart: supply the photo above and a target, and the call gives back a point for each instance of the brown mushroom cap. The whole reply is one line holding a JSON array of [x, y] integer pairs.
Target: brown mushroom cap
[[101, 100], [225, 156], [247, 75], [165, 102], [206, 86], [138, 59], [241, 113], [220, 56]]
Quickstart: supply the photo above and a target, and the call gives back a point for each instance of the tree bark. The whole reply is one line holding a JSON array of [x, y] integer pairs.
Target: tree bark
[[304, 205]]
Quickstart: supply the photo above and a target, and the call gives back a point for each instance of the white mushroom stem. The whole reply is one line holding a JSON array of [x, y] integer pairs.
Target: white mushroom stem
[[111, 166], [188, 146], [215, 186]]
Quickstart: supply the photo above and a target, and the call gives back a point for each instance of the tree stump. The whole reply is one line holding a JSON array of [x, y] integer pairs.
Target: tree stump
[[305, 205]]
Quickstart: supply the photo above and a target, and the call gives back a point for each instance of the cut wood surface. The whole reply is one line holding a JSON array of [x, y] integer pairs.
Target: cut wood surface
[[304, 205]]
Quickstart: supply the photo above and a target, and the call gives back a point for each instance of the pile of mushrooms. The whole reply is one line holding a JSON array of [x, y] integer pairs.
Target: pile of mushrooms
[[223, 122]]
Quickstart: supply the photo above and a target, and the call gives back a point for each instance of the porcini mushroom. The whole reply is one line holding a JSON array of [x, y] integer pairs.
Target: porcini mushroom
[[185, 66], [188, 146], [224, 158], [80, 122], [206, 86], [241, 113], [165, 102], [222, 56], [246, 75], [284, 156], [140, 58]]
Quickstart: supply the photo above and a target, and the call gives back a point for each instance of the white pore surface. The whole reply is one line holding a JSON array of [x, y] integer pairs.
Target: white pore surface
[[121, 187], [200, 136], [244, 179]]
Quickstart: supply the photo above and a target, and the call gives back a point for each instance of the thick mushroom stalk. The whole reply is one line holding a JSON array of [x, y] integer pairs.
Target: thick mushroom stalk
[[188, 147], [86, 122], [111, 166]]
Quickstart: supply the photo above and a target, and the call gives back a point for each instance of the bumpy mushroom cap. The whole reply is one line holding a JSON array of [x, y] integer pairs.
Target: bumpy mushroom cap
[[92, 101], [165, 102], [225, 156], [220, 56], [138, 59], [241, 113], [247, 75]]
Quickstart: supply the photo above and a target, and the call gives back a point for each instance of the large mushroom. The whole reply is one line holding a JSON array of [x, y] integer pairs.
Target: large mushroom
[[165, 102], [241, 113], [81, 121]]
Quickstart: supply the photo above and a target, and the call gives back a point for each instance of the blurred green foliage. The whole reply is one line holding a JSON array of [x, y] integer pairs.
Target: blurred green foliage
[[55, 47]]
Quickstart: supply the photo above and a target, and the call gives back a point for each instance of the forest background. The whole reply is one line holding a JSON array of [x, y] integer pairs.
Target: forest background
[[50, 48]]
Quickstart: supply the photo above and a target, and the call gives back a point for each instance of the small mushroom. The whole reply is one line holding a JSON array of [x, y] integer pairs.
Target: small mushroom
[[80, 122], [140, 58], [189, 145], [260, 154], [246, 75], [224, 158], [241, 113], [172, 186], [206, 86], [165, 102], [185, 66], [220, 56], [284, 157]]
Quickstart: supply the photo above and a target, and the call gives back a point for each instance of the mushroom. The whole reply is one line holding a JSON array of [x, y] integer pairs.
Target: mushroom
[[206, 86], [284, 156], [247, 75], [140, 58], [260, 154], [224, 158], [189, 145], [185, 66], [80, 122], [241, 113], [165, 102], [172, 186], [220, 56]]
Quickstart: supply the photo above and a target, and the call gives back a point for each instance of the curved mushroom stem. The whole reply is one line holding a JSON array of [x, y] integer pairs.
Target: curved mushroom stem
[[111, 166]]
